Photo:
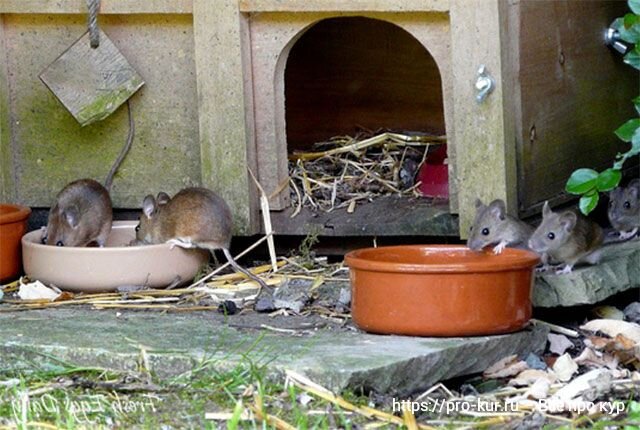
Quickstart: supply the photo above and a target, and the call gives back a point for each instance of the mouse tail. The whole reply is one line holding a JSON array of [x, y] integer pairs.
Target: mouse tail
[[124, 151], [238, 268]]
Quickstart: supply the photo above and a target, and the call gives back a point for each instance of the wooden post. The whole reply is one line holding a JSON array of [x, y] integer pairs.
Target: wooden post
[[7, 189], [224, 125], [484, 132]]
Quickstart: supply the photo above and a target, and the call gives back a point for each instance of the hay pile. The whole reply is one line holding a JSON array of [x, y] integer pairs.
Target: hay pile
[[346, 170]]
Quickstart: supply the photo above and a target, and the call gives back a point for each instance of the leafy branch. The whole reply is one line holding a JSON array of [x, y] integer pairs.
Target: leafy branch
[[589, 183]]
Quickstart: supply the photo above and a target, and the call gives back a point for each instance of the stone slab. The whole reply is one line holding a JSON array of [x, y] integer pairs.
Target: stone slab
[[175, 343], [618, 271]]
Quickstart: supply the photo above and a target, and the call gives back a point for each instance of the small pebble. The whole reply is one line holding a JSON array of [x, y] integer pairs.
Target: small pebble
[[632, 312], [535, 362], [468, 390], [228, 308], [264, 304], [345, 297]]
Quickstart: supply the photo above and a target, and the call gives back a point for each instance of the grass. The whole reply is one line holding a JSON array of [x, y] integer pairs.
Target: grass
[[57, 394], [54, 394]]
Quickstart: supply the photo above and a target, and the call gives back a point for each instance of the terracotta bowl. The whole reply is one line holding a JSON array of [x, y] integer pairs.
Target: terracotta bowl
[[105, 269], [13, 224], [440, 290]]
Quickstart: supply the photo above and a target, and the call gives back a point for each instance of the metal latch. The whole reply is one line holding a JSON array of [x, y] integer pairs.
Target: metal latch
[[484, 84], [612, 39]]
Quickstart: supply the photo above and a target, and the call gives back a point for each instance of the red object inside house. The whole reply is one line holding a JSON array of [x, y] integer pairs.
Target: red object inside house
[[434, 174]]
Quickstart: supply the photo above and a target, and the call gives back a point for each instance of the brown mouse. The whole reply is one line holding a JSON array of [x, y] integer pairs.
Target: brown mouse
[[566, 237], [624, 209], [193, 218], [494, 227], [82, 212]]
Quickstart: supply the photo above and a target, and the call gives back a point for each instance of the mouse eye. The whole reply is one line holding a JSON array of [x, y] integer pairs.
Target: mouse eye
[[138, 227], [59, 243], [627, 205], [551, 235], [471, 228], [485, 231]]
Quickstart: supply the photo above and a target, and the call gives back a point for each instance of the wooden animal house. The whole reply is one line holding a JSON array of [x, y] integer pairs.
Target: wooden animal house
[[522, 92]]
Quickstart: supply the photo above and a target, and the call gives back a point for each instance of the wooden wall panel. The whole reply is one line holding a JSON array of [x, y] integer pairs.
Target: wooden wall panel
[[574, 92], [49, 148]]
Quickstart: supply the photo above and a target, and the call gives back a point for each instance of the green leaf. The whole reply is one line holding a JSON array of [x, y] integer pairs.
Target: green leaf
[[608, 180], [635, 143], [582, 181], [626, 130], [632, 57], [634, 5], [630, 20], [629, 34], [636, 103], [588, 203]]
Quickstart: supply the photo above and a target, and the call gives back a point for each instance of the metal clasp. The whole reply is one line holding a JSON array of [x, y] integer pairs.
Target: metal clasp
[[612, 39], [484, 84]]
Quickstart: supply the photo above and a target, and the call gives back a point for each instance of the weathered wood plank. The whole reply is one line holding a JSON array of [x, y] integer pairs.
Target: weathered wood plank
[[92, 82], [575, 92], [221, 107], [385, 216], [343, 6], [106, 7], [484, 133], [7, 191]]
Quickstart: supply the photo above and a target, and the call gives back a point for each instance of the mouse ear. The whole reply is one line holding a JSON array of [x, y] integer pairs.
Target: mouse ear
[[568, 220], [498, 209], [614, 193], [634, 188], [149, 206], [72, 215], [163, 198], [546, 210], [479, 204]]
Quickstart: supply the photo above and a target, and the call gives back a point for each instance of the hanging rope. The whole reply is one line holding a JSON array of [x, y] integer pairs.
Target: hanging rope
[[94, 31]]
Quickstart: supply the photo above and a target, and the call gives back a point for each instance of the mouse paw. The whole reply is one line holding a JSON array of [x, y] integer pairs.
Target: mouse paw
[[624, 235], [499, 247], [566, 269], [180, 242], [542, 268]]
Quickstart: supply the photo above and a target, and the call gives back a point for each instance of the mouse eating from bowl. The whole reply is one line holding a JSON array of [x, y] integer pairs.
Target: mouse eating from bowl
[[493, 226], [82, 213], [195, 218]]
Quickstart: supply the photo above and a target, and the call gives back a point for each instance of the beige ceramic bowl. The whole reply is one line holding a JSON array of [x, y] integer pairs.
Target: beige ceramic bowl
[[105, 269]]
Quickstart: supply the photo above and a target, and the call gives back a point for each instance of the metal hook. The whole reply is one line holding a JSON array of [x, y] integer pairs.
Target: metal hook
[[484, 84], [612, 39]]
